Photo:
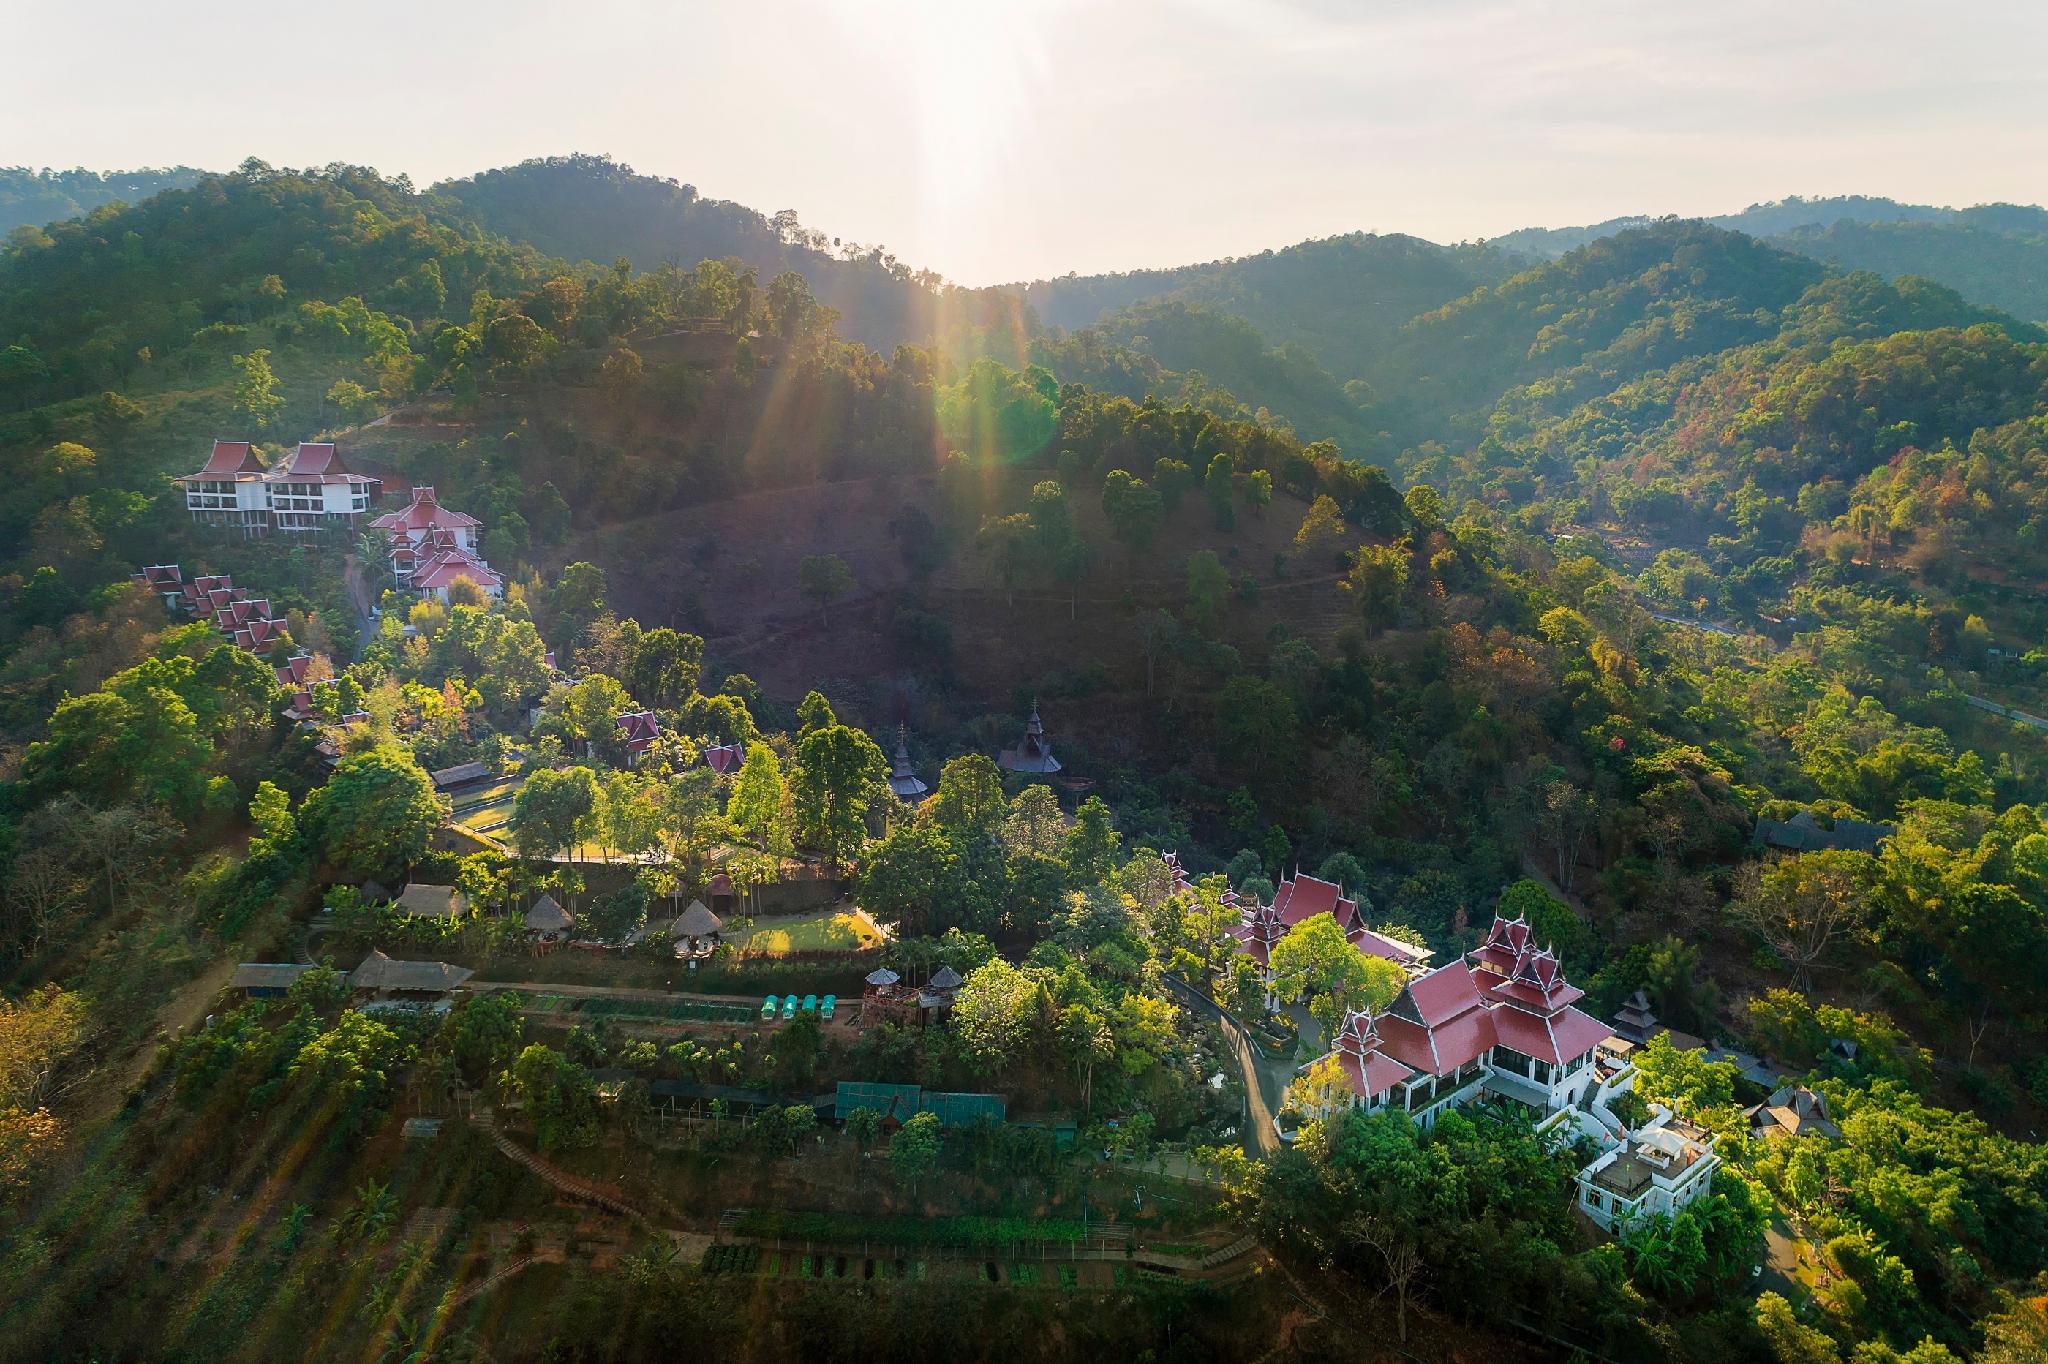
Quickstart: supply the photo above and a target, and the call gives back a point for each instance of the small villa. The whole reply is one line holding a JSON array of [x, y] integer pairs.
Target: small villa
[[1658, 1168], [638, 729]]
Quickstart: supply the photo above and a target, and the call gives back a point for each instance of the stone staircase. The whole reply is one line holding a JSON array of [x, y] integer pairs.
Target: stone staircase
[[1225, 1254]]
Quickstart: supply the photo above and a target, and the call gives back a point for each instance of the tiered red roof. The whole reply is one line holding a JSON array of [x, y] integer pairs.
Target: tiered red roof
[[1363, 1059], [424, 512], [1508, 992], [1438, 1022], [229, 460], [163, 578], [317, 462], [1296, 902], [1533, 1001], [443, 569], [1305, 897]]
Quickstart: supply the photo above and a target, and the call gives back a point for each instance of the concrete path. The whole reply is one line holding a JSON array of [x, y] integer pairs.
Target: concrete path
[[1265, 1082]]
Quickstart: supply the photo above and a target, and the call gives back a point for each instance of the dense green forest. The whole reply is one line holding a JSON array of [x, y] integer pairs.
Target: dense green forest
[[1993, 254], [31, 198], [1457, 578], [592, 208]]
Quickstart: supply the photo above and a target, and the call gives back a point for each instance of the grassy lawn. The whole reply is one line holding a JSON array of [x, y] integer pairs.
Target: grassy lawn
[[825, 933], [484, 816], [500, 791]]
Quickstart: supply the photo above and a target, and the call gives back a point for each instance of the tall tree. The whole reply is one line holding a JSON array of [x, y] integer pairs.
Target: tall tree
[[824, 579], [837, 771], [376, 813]]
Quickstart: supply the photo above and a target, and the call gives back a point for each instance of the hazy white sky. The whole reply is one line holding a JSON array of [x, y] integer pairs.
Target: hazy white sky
[[995, 141]]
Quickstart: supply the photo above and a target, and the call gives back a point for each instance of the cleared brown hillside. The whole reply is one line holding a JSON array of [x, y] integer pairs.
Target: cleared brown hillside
[[728, 570]]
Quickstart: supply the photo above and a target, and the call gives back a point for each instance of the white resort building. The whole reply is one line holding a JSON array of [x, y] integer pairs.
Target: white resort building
[[312, 490], [1658, 1168]]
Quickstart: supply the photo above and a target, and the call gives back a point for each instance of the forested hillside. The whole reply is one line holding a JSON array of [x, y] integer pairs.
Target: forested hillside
[[593, 209], [30, 198], [1471, 585], [1994, 254]]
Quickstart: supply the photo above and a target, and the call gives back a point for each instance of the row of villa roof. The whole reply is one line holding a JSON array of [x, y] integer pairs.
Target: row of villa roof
[[314, 489], [247, 622]]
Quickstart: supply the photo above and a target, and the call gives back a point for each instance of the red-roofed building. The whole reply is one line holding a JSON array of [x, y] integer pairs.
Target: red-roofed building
[[725, 758], [166, 580], [638, 729], [1295, 902], [229, 490], [314, 490], [432, 546], [1499, 1023]]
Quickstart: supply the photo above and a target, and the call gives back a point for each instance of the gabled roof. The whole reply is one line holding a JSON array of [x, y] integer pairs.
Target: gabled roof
[[1795, 1110], [1441, 1049], [1560, 1038], [445, 569], [446, 777], [422, 901], [230, 459], [1803, 833], [1373, 1073], [424, 512], [1438, 1022], [638, 728], [379, 972], [1440, 996], [1388, 949], [1304, 897], [724, 758], [266, 975], [316, 462]]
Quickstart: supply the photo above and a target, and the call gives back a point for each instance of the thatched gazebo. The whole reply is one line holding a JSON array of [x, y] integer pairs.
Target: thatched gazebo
[[696, 930], [547, 921]]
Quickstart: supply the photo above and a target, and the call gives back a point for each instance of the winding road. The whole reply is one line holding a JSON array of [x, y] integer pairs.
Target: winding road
[[1265, 1082]]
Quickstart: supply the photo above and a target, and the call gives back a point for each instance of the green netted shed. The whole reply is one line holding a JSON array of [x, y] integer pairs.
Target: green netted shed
[[903, 1102]]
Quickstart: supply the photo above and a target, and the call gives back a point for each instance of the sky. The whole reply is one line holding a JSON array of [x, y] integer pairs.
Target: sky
[[994, 142]]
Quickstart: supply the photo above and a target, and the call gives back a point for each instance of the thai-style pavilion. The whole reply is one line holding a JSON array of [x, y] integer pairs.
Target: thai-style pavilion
[[1634, 1020], [1034, 753], [902, 776]]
